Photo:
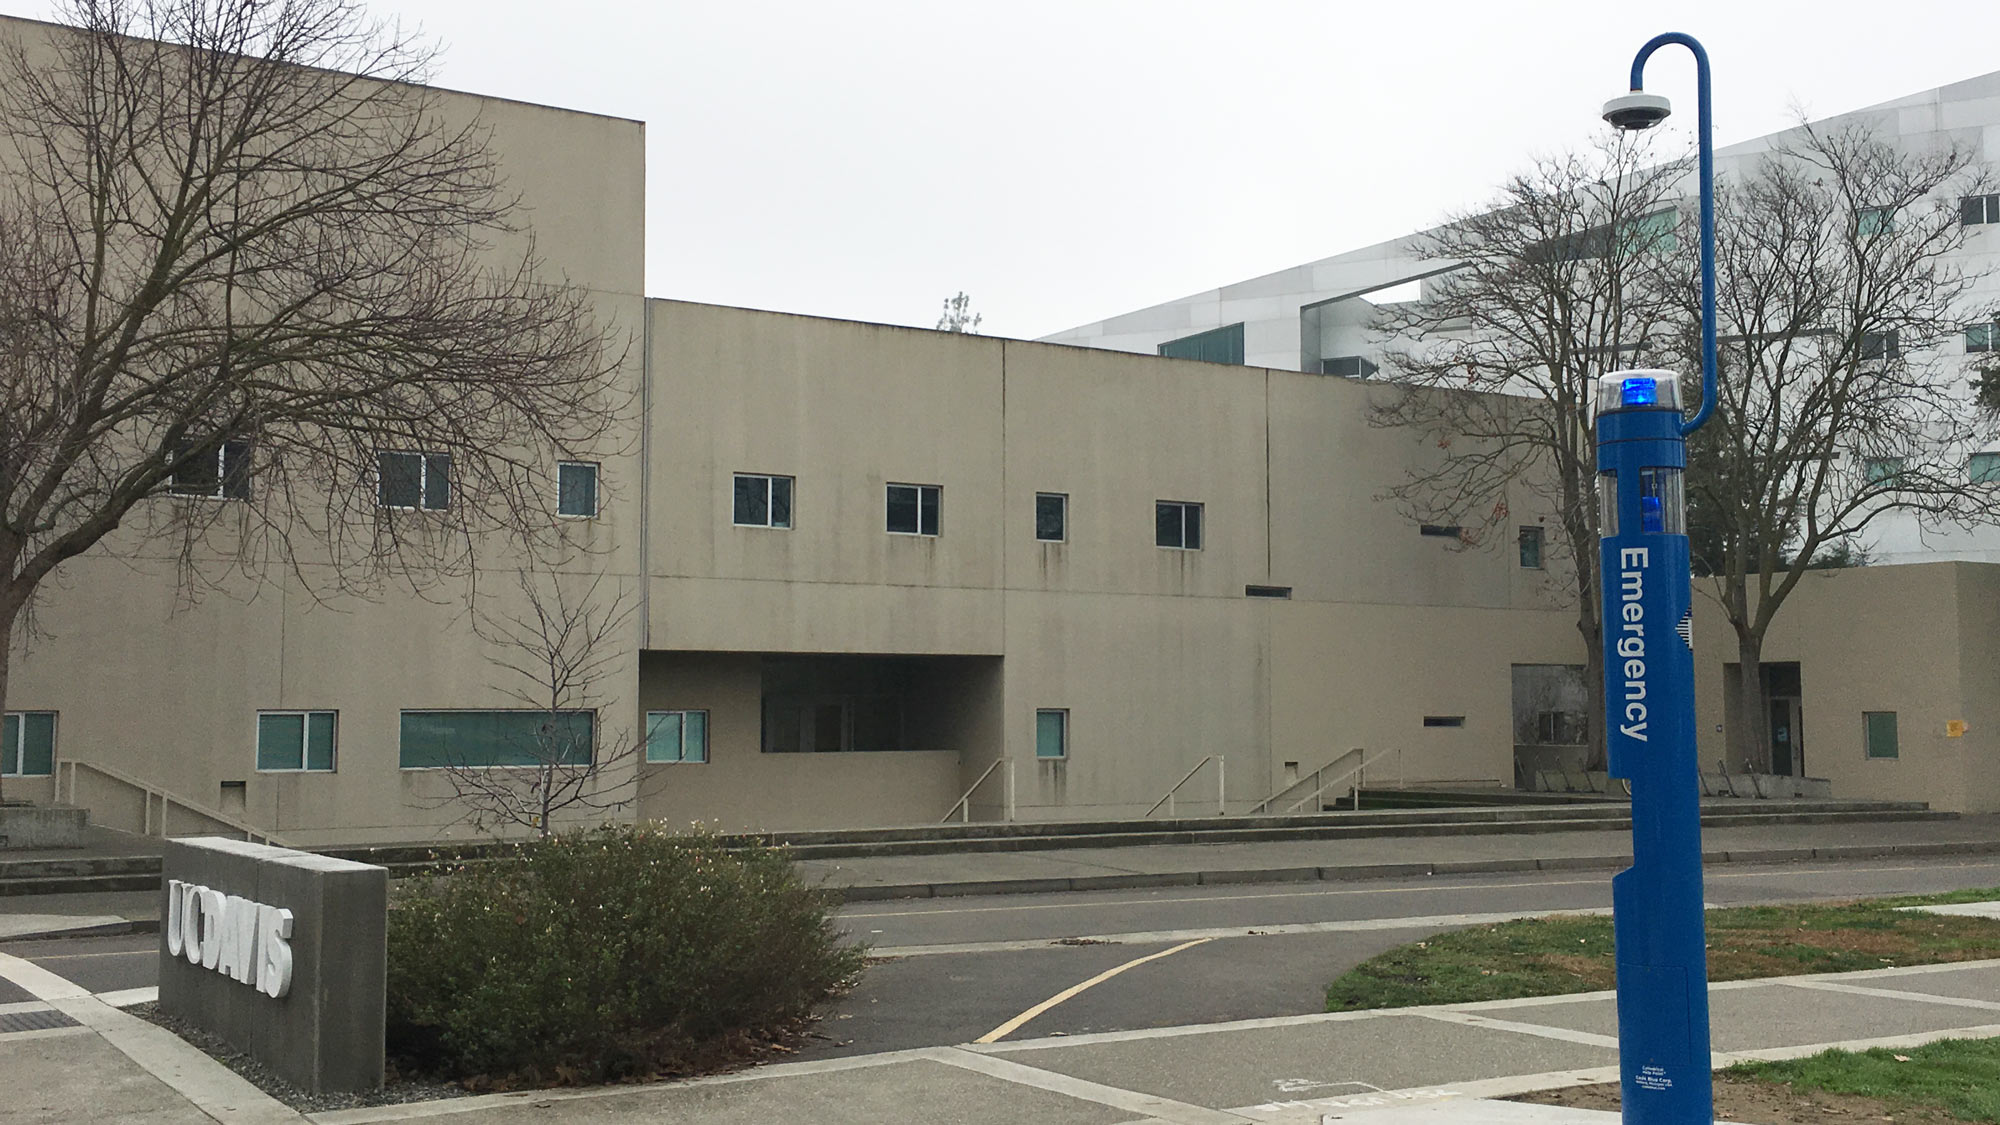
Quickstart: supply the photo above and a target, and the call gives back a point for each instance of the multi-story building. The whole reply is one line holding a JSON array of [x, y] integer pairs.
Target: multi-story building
[[1322, 315], [872, 570]]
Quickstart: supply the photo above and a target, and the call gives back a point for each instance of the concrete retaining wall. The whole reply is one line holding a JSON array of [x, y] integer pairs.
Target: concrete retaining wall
[[42, 826], [289, 956]]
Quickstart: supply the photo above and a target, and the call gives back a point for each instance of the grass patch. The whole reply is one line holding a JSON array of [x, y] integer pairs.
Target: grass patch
[[1562, 954], [1959, 1076]]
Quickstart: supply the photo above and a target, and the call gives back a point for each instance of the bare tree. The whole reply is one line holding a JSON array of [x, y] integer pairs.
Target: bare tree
[[1555, 284], [251, 258], [958, 316], [555, 652], [1838, 277]]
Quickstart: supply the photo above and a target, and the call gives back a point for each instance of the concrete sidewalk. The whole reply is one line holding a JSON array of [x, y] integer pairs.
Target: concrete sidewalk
[[1168, 865], [1390, 1067]]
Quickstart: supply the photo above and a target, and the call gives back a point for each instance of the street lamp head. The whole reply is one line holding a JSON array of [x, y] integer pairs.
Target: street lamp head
[[1637, 110]]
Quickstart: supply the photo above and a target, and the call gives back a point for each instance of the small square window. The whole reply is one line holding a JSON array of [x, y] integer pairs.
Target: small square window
[[222, 473], [1974, 210], [576, 489], [295, 741], [677, 736], [1531, 548], [913, 509], [28, 744], [1984, 469], [1052, 733], [763, 501], [1177, 524], [1980, 338], [413, 480], [1878, 732], [1051, 517]]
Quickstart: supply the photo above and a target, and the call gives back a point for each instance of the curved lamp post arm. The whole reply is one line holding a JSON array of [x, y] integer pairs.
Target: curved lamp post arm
[[1703, 131]]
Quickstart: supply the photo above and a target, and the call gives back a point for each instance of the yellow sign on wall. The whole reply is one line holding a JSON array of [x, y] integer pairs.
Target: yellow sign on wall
[[1954, 728]]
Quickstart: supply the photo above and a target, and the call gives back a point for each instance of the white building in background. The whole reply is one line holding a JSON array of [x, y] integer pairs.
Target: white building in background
[[1316, 317]]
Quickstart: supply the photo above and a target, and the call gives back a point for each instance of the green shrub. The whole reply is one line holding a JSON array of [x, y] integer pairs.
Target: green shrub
[[608, 953]]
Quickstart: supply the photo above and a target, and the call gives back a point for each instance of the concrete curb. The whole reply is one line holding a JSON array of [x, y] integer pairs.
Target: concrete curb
[[1036, 886]]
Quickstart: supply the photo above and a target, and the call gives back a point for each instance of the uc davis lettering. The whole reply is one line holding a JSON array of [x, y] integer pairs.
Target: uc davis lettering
[[248, 942]]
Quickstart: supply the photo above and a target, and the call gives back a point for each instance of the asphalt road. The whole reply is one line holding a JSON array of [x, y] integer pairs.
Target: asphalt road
[[956, 970]]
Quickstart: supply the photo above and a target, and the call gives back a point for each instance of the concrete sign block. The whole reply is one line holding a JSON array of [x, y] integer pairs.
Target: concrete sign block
[[282, 953]]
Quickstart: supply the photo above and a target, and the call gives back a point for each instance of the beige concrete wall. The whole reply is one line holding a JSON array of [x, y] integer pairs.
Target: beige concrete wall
[[740, 788], [1887, 638]]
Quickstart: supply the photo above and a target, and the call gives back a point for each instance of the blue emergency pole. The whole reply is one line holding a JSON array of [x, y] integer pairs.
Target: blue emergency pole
[[1663, 1041]]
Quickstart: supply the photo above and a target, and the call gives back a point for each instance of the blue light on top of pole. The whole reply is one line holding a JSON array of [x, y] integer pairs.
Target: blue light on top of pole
[[1640, 390]]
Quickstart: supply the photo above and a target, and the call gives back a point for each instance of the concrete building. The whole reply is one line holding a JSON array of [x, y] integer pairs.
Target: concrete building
[[1319, 316], [875, 571]]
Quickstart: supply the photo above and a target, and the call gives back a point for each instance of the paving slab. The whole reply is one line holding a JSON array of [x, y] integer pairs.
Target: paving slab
[[1774, 1015], [14, 926], [919, 1090], [75, 1077], [1302, 1059], [1977, 983], [1961, 909]]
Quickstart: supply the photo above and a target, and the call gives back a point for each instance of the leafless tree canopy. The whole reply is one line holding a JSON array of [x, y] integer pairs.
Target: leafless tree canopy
[[1840, 295], [1556, 283], [243, 249]]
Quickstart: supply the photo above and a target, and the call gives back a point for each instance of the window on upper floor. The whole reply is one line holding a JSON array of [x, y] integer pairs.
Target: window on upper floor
[[576, 489], [413, 480], [1177, 524], [295, 741], [1881, 345], [28, 744], [1984, 468], [222, 473], [1217, 345], [1871, 221], [763, 501], [1531, 548], [1981, 338], [1051, 517], [913, 509], [1352, 366], [1882, 470], [1975, 210], [1441, 530]]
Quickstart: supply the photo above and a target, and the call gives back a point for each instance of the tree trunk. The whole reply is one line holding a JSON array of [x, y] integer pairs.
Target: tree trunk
[[1749, 743], [1593, 684], [9, 613]]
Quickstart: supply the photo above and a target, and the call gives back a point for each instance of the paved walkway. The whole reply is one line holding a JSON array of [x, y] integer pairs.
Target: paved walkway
[[1390, 1067]]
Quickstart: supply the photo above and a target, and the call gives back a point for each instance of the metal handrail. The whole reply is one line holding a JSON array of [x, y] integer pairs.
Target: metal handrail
[[1221, 808], [963, 806], [1360, 756], [149, 792]]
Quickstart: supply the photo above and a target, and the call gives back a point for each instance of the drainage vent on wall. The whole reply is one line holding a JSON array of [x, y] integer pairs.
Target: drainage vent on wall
[[1284, 592]]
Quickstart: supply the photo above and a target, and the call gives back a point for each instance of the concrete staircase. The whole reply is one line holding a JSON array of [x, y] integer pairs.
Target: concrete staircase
[[137, 870]]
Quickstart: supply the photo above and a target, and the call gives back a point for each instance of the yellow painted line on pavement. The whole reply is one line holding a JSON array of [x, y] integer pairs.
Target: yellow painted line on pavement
[[40, 957], [1014, 1024]]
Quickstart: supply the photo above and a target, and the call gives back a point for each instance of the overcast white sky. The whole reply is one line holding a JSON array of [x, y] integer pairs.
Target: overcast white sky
[[1065, 160]]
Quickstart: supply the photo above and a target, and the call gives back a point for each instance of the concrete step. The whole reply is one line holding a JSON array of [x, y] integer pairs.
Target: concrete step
[[139, 872]]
